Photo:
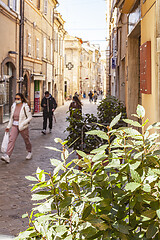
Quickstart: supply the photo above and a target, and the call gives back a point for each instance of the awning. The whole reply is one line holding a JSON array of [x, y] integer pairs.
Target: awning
[[38, 77]]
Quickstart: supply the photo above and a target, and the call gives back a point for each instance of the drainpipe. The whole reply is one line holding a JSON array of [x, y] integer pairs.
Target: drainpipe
[[53, 37], [53, 49], [158, 54], [21, 44]]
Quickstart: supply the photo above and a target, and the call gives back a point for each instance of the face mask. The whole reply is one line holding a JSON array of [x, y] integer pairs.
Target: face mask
[[18, 101]]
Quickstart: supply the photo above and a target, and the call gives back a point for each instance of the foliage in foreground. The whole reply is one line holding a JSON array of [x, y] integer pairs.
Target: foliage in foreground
[[101, 201]]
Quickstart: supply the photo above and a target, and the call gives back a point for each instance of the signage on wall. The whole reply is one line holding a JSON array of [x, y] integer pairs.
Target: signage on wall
[[113, 63], [69, 65], [145, 68], [37, 96]]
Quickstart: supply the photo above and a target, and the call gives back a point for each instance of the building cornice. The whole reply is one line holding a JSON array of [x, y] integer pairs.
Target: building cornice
[[55, 2]]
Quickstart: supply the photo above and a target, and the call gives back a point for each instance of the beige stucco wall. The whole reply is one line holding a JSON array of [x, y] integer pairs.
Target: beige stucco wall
[[58, 75], [73, 55], [148, 33], [9, 37]]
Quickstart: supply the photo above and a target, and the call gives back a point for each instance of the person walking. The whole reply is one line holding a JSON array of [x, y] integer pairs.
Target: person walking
[[90, 94], [75, 108], [18, 123], [49, 105], [95, 97]]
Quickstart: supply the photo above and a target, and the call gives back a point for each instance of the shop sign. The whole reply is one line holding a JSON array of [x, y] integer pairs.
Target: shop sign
[[37, 97], [113, 63]]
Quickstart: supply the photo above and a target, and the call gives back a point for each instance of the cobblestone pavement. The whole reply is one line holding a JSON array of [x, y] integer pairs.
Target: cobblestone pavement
[[15, 196]]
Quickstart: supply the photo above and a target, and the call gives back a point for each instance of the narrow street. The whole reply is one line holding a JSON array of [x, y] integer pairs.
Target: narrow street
[[15, 196]]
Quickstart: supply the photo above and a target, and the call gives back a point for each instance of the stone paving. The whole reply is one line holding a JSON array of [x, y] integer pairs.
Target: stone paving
[[15, 196]]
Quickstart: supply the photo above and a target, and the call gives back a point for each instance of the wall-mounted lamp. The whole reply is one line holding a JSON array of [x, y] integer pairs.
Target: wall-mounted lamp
[[12, 52]]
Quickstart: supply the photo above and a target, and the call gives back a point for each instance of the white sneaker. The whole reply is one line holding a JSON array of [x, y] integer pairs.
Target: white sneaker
[[29, 156], [50, 130], [5, 158], [44, 131]]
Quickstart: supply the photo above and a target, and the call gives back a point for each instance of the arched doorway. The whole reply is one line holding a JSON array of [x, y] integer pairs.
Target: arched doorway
[[9, 82]]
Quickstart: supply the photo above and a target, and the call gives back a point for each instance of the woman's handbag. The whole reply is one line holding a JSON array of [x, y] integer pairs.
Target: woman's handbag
[[5, 142]]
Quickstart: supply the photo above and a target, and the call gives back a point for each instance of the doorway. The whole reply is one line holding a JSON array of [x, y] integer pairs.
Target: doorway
[[9, 78]]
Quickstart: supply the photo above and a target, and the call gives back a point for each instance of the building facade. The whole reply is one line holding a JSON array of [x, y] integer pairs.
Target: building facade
[[32, 53], [9, 48], [91, 68], [72, 67], [112, 49], [38, 50], [59, 34], [137, 54]]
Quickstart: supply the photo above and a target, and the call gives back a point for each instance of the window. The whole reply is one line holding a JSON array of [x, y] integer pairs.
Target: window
[[56, 41], [38, 4], [37, 48], [29, 45], [14, 5], [51, 51], [51, 16], [44, 47], [61, 46], [45, 6]]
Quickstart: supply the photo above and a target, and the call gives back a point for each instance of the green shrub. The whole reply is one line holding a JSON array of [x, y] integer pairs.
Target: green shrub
[[109, 108], [115, 201], [77, 139], [79, 124]]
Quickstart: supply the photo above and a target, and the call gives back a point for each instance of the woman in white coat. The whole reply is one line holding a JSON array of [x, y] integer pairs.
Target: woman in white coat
[[18, 123]]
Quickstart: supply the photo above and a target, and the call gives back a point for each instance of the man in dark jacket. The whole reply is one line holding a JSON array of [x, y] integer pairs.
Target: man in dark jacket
[[49, 105]]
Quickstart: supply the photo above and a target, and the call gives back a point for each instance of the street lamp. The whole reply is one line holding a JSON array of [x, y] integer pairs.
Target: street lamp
[[12, 52]]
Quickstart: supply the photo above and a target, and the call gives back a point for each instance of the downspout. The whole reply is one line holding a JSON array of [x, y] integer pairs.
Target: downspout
[[21, 44], [158, 53], [53, 52], [53, 37]]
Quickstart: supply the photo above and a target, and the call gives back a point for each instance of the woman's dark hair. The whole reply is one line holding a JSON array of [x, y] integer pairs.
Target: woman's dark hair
[[76, 99], [22, 97]]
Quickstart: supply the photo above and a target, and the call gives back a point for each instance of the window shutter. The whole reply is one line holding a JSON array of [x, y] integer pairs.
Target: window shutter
[[51, 51], [18, 6], [45, 6], [56, 41], [14, 5], [29, 44], [10, 3], [37, 48], [51, 16], [44, 47]]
